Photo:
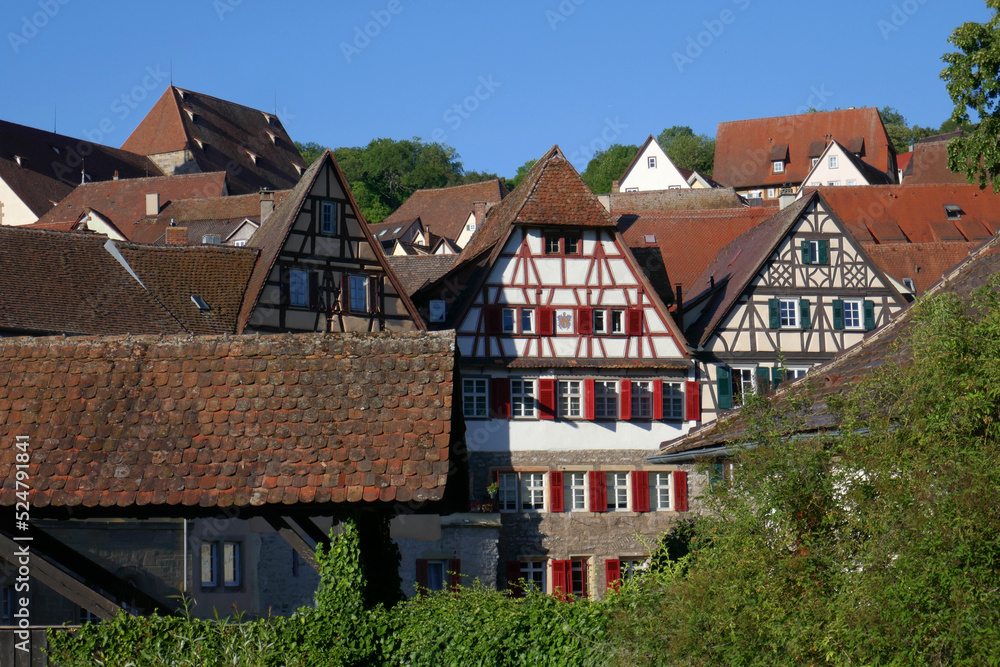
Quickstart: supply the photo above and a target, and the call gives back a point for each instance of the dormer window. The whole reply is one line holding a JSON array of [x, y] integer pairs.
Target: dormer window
[[192, 115], [299, 168], [201, 144], [779, 166], [814, 162], [652, 162], [271, 119], [274, 138], [56, 149], [253, 157], [20, 160], [953, 211]]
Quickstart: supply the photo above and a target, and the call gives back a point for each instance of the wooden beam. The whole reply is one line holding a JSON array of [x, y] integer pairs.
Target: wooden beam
[[297, 542]]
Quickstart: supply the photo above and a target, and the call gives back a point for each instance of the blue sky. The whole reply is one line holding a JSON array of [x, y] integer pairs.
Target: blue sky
[[501, 82]]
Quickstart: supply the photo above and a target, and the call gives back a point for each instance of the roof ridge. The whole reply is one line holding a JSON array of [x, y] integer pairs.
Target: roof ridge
[[793, 115]]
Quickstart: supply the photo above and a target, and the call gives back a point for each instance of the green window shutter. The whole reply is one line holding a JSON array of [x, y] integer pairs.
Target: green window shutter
[[774, 313], [763, 378], [724, 382], [805, 252], [804, 319], [824, 252], [776, 376], [838, 314], [869, 315]]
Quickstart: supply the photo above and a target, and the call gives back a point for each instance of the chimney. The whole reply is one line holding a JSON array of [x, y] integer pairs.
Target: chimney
[[177, 236], [479, 210], [616, 187], [784, 199], [152, 205], [266, 204]]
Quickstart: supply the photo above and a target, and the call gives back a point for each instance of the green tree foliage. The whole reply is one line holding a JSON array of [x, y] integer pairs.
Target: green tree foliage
[[310, 151], [901, 134], [688, 150], [973, 80], [608, 166], [522, 171]]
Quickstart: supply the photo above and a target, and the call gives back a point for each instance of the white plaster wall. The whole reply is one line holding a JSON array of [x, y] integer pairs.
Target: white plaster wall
[[663, 177], [845, 171], [14, 212]]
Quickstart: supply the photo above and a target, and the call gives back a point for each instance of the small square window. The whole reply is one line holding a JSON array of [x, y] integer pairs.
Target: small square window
[[474, 398], [779, 166], [814, 162], [833, 162], [359, 294], [328, 217], [551, 245], [788, 311], [298, 288], [652, 162], [570, 399]]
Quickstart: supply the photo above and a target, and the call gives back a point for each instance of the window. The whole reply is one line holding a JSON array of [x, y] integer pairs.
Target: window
[[788, 311], [631, 189], [575, 491], [532, 491], [779, 166], [652, 162], [853, 315], [605, 399], [629, 566], [228, 572], [770, 193], [508, 320], [813, 163], [474, 397], [600, 321], [570, 399], [834, 184], [852, 182], [833, 162], [660, 491], [551, 245], [507, 493], [794, 373], [755, 194], [673, 187], [642, 400], [359, 294], [533, 573], [328, 217], [618, 321], [617, 483], [436, 575], [673, 400], [298, 288], [527, 320], [572, 244], [471, 227], [744, 384], [815, 252], [231, 575], [578, 577], [209, 570], [239, 243], [522, 399]]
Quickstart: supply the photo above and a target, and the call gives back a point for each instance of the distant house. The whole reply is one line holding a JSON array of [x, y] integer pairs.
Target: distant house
[[187, 132], [759, 157], [837, 166], [929, 163], [453, 213], [38, 169], [651, 169], [402, 231]]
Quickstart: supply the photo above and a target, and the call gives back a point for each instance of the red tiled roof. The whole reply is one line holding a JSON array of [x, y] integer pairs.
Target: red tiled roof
[[903, 160], [929, 163], [212, 215], [446, 210], [743, 148], [674, 200], [415, 271], [221, 136], [924, 263], [123, 202], [244, 421], [51, 164]]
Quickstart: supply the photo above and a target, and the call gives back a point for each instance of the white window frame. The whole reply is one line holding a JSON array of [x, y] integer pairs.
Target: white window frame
[[575, 491], [642, 400], [629, 565], [746, 376], [604, 400], [475, 398], [508, 326], [858, 317], [526, 316], [619, 491], [523, 399], [755, 194], [834, 184], [852, 181], [833, 163], [239, 243], [533, 574], [779, 166], [328, 217], [673, 400], [661, 491], [532, 487], [788, 313], [770, 193], [507, 500], [570, 398], [616, 322], [813, 252], [651, 162], [298, 288], [813, 163], [600, 321], [358, 288], [795, 372], [631, 189]]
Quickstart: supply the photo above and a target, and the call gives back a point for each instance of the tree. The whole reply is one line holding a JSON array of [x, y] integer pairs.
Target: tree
[[973, 81], [522, 171], [607, 166], [310, 151], [688, 150]]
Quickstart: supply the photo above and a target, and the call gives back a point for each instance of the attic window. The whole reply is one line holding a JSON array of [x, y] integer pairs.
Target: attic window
[[202, 145], [192, 115], [383, 233], [779, 166], [908, 283], [299, 168], [56, 149], [652, 162], [198, 301], [253, 157], [650, 238], [20, 160], [271, 120], [183, 93], [274, 138], [953, 211], [397, 230]]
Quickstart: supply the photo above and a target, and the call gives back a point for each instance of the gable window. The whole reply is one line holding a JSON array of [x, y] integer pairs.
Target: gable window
[[673, 400], [527, 320], [852, 182], [833, 162], [474, 397], [522, 399], [298, 288], [575, 491], [532, 491], [600, 321], [605, 399], [652, 162], [617, 484], [328, 217], [834, 184], [660, 491], [551, 245], [631, 189], [779, 166], [570, 399], [572, 244], [642, 400], [788, 311], [507, 493], [359, 294], [617, 321], [815, 252]]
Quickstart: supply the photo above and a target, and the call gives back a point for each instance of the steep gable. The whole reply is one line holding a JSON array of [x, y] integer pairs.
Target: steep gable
[[662, 175], [849, 170]]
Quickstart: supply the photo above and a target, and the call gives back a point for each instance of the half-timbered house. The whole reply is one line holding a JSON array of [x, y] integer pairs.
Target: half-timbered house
[[320, 268], [785, 296], [573, 372]]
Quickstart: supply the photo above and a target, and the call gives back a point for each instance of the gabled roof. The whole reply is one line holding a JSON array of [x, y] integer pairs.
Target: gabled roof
[[211, 215], [903, 161], [198, 423], [929, 163], [685, 173], [697, 176], [123, 202], [251, 146], [51, 164], [687, 240], [446, 210], [743, 148], [270, 237], [840, 374], [869, 173], [551, 195], [415, 271], [386, 232]]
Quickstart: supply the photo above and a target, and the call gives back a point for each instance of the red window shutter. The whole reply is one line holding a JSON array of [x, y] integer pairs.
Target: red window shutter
[[588, 399], [561, 578], [625, 396], [680, 491], [692, 401], [585, 321], [556, 491], [422, 573], [493, 320], [640, 491], [514, 576], [658, 400], [598, 491], [454, 573], [613, 573], [500, 395], [546, 321], [633, 325], [546, 399]]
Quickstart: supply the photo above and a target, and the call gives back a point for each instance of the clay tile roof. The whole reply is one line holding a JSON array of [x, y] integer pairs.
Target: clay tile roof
[[551, 194], [123, 202], [924, 263], [446, 210], [222, 136], [384, 232], [415, 271], [674, 200], [844, 371], [51, 164], [743, 148], [202, 422], [929, 163], [212, 215], [686, 240]]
